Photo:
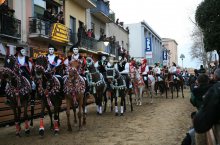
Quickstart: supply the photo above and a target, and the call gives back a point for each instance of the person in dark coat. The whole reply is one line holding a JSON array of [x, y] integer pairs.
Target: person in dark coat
[[198, 92], [209, 113]]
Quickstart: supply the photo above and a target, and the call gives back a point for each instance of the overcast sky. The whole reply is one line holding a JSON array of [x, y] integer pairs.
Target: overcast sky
[[168, 18]]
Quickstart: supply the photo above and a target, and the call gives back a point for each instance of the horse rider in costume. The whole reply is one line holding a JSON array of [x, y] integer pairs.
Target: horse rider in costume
[[52, 58], [144, 70], [102, 64], [172, 71], [76, 57], [81, 68], [157, 72], [25, 66], [123, 67]]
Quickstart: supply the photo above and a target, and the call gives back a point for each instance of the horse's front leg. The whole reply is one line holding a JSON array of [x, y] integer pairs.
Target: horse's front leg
[[116, 105], [41, 129], [122, 103], [56, 125], [50, 114], [17, 123], [182, 91], [130, 99], [80, 110], [27, 130], [68, 104], [32, 106], [105, 100], [140, 95]]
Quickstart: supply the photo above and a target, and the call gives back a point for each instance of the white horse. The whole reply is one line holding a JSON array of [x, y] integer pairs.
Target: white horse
[[138, 84]]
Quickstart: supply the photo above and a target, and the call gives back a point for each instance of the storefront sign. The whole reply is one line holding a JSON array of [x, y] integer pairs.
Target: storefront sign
[[38, 52], [60, 33]]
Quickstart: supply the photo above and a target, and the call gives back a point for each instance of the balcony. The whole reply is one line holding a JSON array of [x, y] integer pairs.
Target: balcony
[[102, 11], [110, 49], [87, 43], [92, 45], [45, 30], [86, 3], [10, 27]]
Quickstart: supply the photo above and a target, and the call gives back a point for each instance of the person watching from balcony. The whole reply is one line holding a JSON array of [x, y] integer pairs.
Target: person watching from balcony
[[89, 33], [52, 58], [60, 17], [209, 113], [47, 14], [93, 35]]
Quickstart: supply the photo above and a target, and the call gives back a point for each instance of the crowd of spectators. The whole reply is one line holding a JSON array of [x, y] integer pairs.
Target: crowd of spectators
[[205, 96], [51, 15]]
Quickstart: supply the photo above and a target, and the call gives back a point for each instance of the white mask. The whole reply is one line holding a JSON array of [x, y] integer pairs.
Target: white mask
[[103, 58], [23, 52], [120, 58], [75, 51], [51, 50]]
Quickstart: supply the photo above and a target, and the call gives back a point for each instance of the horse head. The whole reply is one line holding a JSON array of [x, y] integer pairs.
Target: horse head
[[41, 66], [11, 68], [90, 63]]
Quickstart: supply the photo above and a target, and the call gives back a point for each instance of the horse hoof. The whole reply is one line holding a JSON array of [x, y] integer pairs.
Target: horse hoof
[[116, 114], [41, 132], [122, 114], [27, 132], [56, 132], [18, 134]]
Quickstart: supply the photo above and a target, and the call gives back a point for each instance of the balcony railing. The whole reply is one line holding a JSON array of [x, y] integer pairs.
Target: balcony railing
[[92, 44], [102, 10], [10, 27], [88, 43], [40, 28]]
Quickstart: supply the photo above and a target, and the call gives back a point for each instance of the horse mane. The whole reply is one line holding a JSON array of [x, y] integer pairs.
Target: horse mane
[[10, 62], [42, 61]]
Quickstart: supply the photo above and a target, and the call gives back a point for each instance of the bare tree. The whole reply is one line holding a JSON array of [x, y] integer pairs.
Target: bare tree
[[197, 49]]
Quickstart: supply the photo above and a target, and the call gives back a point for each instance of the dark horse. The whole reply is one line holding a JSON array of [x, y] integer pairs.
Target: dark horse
[[176, 83], [118, 84], [18, 92], [74, 89], [50, 91], [96, 82]]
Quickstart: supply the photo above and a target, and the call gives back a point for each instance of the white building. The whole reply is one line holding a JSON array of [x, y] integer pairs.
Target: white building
[[145, 43]]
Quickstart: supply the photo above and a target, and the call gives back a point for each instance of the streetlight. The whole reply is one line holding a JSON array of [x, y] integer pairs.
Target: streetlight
[[182, 56]]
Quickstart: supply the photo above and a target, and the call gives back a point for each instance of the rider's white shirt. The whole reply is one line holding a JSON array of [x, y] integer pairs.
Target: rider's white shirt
[[146, 70], [157, 70], [73, 57], [125, 71], [172, 69], [51, 59], [97, 64], [21, 60]]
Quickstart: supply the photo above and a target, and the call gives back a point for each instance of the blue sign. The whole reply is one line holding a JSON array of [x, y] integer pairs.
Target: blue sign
[[164, 55], [148, 45]]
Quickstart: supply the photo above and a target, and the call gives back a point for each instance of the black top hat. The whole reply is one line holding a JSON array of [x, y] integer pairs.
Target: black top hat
[[18, 48], [51, 46], [73, 46]]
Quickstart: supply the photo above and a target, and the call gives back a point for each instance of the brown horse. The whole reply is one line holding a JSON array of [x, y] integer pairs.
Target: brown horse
[[74, 89], [49, 89], [175, 83], [18, 92]]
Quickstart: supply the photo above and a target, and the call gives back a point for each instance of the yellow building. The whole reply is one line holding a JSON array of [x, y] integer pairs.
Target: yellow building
[[172, 46]]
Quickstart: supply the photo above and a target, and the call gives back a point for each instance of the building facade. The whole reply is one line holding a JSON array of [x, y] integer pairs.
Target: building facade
[[172, 46], [145, 43]]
